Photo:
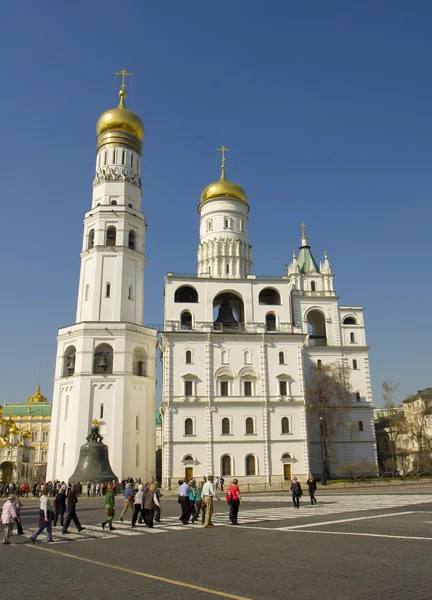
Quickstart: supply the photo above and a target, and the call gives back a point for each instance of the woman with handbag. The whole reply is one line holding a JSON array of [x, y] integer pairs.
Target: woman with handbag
[[109, 507], [296, 492], [45, 516]]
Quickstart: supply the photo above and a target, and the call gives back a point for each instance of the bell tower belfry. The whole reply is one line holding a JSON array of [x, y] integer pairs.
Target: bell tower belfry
[[105, 366]]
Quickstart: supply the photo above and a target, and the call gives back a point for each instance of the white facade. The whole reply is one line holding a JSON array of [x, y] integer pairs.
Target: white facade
[[106, 362], [237, 355]]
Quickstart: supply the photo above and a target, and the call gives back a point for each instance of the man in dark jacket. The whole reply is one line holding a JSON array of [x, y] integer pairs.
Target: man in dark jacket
[[71, 501]]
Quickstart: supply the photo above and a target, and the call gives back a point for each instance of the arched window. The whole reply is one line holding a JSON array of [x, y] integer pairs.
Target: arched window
[[249, 425], [349, 321], [86, 293], [269, 297], [114, 203], [108, 290], [186, 320], [360, 426], [286, 455], [188, 426], [186, 293], [285, 425], [188, 357], [224, 357], [69, 361], [132, 239], [130, 293], [319, 363], [188, 458], [316, 328], [111, 236], [139, 362], [250, 465], [101, 411], [313, 289], [281, 358], [103, 359], [247, 357], [354, 364], [358, 397], [91, 238], [352, 337], [226, 426], [270, 322], [226, 466]]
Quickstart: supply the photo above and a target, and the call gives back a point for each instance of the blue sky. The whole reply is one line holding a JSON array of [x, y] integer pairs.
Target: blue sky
[[326, 107]]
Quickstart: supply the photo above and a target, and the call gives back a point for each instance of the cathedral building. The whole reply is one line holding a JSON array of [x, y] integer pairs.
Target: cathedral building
[[238, 352], [106, 360]]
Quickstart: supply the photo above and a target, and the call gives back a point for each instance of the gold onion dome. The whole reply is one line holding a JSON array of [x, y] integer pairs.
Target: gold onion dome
[[27, 434], [14, 430], [120, 118], [37, 397], [223, 189]]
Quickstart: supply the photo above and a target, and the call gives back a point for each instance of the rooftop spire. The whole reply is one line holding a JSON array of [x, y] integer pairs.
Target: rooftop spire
[[304, 240], [122, 92], [223, 149]]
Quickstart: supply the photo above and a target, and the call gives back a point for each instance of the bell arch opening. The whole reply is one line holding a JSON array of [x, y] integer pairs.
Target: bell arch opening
[[228, 311], [186, 293], [316, 328], [103, 359], [69, 361], [139, 362], [269, 297]]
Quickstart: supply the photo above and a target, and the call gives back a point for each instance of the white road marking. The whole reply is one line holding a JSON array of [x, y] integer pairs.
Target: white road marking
[[408, 512], [378, 535]]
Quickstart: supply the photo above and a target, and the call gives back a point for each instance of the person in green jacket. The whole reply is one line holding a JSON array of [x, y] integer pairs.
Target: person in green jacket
[[109, 507]]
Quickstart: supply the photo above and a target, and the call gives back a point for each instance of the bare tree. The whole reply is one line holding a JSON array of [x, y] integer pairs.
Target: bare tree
[[393, 422], [328, 397]]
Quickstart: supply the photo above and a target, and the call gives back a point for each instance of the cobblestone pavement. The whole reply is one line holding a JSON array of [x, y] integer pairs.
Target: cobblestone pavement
[[347, 545]]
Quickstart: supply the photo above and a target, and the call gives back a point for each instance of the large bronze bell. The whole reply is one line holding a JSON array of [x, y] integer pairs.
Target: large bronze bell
[[93, 463], [225, 317]]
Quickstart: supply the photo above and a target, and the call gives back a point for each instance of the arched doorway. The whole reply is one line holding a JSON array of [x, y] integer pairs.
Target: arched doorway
[[6, 472]]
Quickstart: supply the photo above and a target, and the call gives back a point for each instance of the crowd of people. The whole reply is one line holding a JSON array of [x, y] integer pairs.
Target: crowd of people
[[140, 499]]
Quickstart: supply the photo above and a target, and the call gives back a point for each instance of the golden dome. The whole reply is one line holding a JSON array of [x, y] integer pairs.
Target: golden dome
[[120, 118], [14, 430], [27, 434], [37, 397], [223, 189]]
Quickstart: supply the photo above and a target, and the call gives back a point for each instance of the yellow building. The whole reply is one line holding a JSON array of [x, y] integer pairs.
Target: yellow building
[[33, 416]]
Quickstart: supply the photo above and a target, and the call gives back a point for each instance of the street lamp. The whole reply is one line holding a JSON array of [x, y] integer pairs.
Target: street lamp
[[323, 465]]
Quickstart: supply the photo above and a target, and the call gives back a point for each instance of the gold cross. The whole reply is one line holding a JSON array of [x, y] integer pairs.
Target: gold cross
[[303, 226], [223, 149], [124, 74]]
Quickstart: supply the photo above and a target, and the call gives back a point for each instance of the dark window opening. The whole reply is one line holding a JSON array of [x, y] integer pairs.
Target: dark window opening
[[271, 322], [188, 427], [186, 320], [224, 388], [285, 425], [188, 357], [186, 294], [188, 388], [247, 388], [281, 358], [269, 297], [226, 426], [283, 388], [249, 425], [349, 321], [111, 236]]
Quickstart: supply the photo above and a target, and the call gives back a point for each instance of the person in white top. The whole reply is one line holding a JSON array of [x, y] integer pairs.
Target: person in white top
[[208, 494], [45, 516]]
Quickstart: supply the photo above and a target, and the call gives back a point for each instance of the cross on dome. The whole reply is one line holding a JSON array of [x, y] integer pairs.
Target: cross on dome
[[123, 74]]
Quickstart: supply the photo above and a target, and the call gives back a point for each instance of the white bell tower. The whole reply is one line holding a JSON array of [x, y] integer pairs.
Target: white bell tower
[[106, 362]]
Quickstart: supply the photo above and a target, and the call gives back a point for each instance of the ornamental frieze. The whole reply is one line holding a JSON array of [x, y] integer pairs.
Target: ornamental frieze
[[117, 173]]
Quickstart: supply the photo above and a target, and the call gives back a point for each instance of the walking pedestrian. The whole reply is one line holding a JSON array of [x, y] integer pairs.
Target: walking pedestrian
[[221, 481], [209, 494], [234, 500], [45, 516], [150, 503], [138, 505], [157, 514], [296, 492], [109, 507], [60, 506], [18, 507], [183, 499], [71, 502], [128, 501], [8, 517], [312, 486], [197, 501]]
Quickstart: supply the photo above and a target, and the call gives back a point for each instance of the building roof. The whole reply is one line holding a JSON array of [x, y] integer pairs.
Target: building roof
[[420, 393], [26, 408]]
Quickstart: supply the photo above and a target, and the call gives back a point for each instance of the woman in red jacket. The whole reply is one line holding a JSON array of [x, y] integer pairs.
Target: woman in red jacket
[[234, 500]]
